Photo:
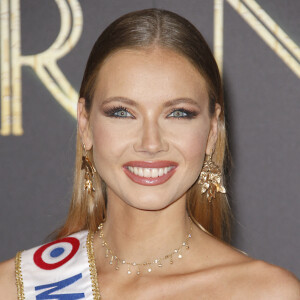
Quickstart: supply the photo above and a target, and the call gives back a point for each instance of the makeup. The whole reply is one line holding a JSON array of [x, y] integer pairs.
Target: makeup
[[150, 173], [118, 112]]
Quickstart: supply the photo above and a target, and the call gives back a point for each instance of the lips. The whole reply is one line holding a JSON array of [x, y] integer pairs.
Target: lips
[[150, 173]]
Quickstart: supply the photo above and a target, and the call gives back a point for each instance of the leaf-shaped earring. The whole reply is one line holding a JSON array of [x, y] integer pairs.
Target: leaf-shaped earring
[[210, 179], [89, 172]]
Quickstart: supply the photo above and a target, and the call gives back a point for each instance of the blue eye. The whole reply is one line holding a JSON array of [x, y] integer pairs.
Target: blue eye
[[122, 114], [119, 112], [182, 114], [178, 114]]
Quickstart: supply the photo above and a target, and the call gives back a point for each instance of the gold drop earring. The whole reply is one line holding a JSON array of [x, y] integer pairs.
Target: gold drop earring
[[89, 172], [210, 179]]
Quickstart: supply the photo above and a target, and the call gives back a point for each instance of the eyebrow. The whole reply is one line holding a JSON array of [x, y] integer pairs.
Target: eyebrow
[[120, 99], [166, 104], [181, 100]]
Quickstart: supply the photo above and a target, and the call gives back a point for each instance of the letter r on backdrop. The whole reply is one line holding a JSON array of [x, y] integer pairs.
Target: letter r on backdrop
[[44, 64]]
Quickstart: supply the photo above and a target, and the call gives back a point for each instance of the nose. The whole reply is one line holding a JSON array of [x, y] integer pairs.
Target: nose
[[151, 138]]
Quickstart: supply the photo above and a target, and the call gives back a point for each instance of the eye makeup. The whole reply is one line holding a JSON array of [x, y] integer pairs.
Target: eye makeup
[[123, 113], [182, 113], [118, 112]]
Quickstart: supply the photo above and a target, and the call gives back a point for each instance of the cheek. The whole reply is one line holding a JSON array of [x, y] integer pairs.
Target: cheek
[[192, 140], [191, 146], [109, 143], [194, 147]]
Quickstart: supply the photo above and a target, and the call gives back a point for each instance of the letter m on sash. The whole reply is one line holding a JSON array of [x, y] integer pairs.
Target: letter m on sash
[[53, 287]]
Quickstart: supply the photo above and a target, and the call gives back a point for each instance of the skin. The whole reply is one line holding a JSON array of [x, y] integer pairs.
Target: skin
[[145, 222]]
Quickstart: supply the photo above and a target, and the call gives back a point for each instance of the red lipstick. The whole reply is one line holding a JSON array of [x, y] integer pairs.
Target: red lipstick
[[150, 181]]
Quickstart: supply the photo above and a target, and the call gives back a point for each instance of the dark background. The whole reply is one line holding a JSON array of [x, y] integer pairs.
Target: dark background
[[263, 110]]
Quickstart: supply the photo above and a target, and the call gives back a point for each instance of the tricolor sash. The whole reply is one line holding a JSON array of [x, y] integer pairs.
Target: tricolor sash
[[63, 269]]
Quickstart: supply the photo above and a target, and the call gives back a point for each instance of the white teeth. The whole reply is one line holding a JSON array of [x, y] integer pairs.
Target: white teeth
[[161, 172], [149, 172], [154, 173], [141, 173]]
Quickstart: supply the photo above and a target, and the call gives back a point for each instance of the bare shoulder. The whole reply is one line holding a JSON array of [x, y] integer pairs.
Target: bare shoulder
[[259, 280], [271, 282], [242, 277], [7, 280], [256, 279]]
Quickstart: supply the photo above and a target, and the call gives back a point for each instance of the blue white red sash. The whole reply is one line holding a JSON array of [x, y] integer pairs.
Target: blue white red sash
[[63, 270]]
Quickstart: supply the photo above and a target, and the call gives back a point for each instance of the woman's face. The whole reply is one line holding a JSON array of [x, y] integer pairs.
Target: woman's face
[[149, 126]]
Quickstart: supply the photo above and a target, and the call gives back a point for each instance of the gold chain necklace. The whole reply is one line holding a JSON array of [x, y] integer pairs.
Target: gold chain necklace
[[117, 261]]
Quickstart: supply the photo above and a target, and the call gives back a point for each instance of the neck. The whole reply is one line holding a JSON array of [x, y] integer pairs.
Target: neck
[[142, 236]]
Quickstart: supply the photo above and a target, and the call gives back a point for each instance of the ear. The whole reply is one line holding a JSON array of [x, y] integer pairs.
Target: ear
[[213, 133], [84, 124]]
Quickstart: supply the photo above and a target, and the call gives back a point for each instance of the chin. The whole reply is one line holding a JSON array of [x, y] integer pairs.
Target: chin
[[147, 206], [150, 202]]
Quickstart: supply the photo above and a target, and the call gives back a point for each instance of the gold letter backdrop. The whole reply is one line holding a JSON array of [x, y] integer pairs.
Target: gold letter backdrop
[[44, 47]]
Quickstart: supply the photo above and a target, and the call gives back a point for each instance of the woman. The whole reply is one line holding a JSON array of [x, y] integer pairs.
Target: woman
[[148, 183]]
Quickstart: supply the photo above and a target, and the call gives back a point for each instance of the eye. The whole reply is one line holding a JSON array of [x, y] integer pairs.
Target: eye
[[122, 114], [182, 113], [119, 112], [178, 114]]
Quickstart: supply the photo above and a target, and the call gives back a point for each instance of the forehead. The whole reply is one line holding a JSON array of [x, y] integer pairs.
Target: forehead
[[149, 74]]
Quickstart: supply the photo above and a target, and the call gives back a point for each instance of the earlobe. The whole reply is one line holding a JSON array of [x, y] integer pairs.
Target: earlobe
[[83, 124]]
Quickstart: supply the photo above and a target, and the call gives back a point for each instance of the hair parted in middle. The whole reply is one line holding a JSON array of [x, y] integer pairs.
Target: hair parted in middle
[[146, 29]]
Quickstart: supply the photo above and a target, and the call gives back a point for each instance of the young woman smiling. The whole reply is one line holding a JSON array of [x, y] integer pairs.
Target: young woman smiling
[[150, 128]]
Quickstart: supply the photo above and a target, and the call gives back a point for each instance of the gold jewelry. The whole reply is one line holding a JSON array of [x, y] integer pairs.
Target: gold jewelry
[[210, 179], [116, 261], [89, 172]]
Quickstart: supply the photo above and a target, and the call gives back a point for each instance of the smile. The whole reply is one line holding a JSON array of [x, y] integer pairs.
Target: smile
[[150, 173]]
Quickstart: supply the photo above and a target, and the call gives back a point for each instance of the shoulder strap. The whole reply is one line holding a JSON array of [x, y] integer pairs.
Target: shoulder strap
[[63, 269]]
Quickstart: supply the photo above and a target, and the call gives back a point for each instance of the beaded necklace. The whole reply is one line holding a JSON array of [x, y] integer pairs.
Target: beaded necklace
[[116, 261]]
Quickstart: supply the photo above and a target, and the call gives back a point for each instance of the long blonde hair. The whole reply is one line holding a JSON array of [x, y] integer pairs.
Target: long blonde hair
[[143, 29]]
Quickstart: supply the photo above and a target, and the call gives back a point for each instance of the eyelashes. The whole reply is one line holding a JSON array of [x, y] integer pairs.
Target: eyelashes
[[182, 113], [122, 112], [118, 112]]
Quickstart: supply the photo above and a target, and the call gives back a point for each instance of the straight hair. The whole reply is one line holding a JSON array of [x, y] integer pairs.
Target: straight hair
[[146, 29]]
